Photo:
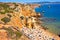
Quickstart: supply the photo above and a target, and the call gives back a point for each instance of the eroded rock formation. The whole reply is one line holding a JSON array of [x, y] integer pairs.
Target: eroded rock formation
[[21, 22]]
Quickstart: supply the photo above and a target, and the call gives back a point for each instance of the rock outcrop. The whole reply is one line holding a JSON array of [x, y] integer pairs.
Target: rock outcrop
[[21, 22]]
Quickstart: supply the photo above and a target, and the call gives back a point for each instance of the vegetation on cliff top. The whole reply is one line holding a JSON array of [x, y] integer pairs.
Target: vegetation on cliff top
[[12, 33], [4, 8], [5, 19]]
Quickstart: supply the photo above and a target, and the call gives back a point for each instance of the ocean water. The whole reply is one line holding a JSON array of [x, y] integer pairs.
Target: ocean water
[[50, 16]]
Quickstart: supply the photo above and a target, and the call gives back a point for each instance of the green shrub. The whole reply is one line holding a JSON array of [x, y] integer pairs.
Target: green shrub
[[18, 34], [6, 8], [5, 19], [9, 15]]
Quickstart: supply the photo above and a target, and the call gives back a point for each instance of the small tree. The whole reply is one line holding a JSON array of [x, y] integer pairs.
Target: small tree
[[9, 15], [5, 19]]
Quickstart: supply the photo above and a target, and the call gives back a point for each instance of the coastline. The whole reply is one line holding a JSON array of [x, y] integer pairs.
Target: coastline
[[25, 19]]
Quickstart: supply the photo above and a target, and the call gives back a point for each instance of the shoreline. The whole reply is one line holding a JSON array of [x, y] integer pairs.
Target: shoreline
[[24, 18]]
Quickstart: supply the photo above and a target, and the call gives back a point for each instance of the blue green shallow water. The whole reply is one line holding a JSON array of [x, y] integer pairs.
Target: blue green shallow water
[[53, 27], [51, 16]]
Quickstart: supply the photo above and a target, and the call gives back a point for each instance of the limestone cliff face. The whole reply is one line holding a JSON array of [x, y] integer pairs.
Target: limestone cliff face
[[21, 22], [15, 15], [9, 32], [19, 14]]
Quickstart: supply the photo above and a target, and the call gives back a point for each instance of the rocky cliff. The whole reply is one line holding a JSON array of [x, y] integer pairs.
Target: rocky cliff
[[21, 22]]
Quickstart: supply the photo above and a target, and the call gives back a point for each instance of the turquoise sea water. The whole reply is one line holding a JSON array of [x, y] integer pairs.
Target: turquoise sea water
[[50, 16]]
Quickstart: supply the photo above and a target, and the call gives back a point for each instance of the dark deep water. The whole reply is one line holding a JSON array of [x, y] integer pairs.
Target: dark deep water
[[51, 16]]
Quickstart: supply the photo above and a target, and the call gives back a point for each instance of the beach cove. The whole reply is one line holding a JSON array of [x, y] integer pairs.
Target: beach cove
[[51, 16]]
